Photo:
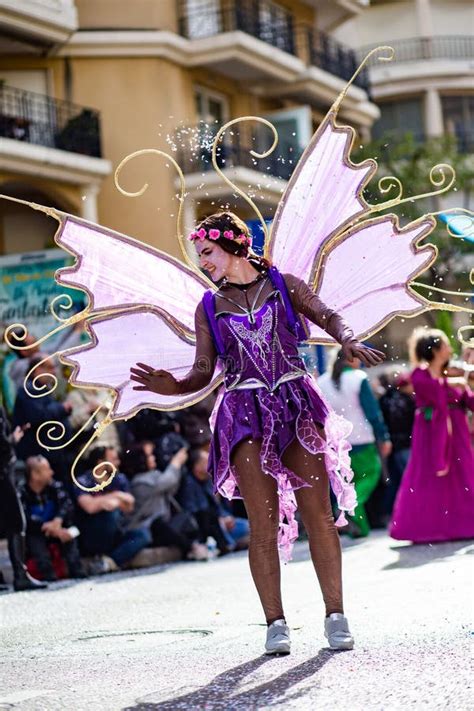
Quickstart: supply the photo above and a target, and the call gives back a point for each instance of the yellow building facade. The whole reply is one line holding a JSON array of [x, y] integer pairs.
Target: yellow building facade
[[83, 84]]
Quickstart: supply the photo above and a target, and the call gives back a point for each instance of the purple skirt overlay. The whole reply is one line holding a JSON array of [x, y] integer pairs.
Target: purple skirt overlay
[[293, 410]]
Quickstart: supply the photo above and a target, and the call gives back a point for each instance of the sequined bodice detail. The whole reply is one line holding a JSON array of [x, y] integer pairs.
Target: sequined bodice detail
[[261, 350]]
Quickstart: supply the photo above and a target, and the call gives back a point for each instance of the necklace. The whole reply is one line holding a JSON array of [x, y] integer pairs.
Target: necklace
[[243, 287]]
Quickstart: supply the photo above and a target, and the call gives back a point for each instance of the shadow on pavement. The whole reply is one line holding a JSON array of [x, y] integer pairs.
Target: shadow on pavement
[[412, 555], [217, 695], [301, 550]]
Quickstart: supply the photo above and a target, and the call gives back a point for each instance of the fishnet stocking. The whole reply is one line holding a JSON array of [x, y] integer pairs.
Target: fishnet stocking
[[260, 496]]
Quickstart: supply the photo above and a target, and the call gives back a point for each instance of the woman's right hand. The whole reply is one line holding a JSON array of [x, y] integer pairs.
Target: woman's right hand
[[155, 381]]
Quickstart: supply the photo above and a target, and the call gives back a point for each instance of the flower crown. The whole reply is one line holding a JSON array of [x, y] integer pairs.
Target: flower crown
[[214, 234]]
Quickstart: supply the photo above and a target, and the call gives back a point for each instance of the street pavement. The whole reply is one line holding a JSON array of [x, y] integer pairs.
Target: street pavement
[[190, 636]]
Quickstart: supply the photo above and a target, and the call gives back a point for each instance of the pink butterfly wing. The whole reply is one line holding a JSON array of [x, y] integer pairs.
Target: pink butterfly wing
[[365, 276], [118, 343], [322, 197], [117, 271]]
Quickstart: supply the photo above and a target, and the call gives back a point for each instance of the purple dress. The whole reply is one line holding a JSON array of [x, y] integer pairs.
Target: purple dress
[[269, 395], [430, 507]]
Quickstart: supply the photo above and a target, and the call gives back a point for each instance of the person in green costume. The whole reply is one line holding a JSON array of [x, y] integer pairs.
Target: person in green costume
[[347, 389]]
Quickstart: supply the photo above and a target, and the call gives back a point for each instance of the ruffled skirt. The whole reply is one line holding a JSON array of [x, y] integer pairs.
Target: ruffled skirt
[[294, 409]]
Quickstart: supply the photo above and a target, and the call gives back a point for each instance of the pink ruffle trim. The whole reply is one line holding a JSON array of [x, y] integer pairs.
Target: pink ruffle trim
[[335, 449]]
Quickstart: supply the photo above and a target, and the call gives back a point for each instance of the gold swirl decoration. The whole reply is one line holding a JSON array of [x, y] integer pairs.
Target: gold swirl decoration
[[52, 425], [442, 176], [253, 153], [144, 188], [16, 333], [469, 342], [387, 183], [54, 430], [467, 294], [66, 305], [40, 389], [390, 53]]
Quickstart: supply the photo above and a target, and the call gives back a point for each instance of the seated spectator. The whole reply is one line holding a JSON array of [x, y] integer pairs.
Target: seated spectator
[[166, 447], [149, 425], [84, 402], [196, 496], [195, 422], [49, 519], [101, 515], [236, 529], [36, 411], [153, 490]]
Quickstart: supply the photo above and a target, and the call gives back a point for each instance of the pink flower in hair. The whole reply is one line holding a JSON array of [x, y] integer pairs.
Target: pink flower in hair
[[229, 234], [192, 236], [214, 234], [201, 233]]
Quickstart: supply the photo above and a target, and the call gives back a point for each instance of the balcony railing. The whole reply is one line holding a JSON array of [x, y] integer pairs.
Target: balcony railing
[[274, 25], [419, 48], [207, 18], [35, 118], [234, 152], [325, 52]]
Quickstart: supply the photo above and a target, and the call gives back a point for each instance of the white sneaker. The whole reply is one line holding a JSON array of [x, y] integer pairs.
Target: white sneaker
[[336, 630], [278, 638], [198, 552]]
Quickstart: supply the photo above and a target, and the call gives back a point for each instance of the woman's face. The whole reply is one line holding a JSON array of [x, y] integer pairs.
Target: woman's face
[[443, 353], [213, 259], [149, 451]]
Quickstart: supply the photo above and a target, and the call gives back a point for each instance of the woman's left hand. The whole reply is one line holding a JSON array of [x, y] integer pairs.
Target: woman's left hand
[[368, 356]]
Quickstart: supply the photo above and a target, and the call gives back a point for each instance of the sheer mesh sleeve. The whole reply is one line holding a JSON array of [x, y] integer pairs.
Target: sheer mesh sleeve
[[306, 302], [202, 371]]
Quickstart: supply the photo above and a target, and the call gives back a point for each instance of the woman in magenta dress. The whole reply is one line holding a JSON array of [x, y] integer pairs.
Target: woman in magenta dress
[[435, 501]]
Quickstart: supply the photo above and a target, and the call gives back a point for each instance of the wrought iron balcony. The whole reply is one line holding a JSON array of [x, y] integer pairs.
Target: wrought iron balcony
[[419, 48], [269, 22], [274, 25], [325, 52], [234, 152], [39, 119]]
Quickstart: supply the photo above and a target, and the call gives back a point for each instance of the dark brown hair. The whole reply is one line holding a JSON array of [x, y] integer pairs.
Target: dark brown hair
[[134, 460], [424, 342], [338, 366], [229, 221]]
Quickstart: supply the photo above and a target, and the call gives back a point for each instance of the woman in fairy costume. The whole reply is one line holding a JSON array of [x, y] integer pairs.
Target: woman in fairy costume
[[276, 443]]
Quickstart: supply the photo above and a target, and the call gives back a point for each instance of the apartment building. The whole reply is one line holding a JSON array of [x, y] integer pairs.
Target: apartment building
[[428, 88], [85, 82]]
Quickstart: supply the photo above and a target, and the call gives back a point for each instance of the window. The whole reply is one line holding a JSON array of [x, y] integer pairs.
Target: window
[[202, 18], [400, 117], [211, 107], [458, 115], [294, 128], [275, 25], [212, 112]]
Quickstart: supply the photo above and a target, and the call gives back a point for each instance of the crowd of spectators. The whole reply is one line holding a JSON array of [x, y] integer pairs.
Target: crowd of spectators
[[161, 497], [159, 500]]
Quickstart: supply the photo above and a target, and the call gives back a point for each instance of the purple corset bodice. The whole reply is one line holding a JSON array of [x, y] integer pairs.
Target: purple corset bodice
[[260, 349]]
